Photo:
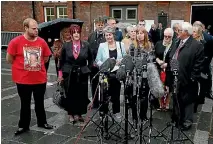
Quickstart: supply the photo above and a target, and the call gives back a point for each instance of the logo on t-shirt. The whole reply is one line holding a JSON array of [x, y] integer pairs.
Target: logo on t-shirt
[[32, 58]]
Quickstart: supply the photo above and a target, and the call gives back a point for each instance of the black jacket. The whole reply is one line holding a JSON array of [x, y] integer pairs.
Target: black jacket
[[68, 62], [190, 60], [94, 42], [159, 53]]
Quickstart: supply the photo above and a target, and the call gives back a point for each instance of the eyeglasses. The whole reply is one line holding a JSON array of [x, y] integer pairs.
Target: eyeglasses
[[167, 36], [180, 30]]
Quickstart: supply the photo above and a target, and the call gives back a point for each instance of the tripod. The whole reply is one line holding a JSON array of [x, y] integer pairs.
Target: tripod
[[175, 124], [104, 100]]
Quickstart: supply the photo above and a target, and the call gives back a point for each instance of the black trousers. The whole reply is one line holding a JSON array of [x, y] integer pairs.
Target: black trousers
[[25, 93], [114, 92], [94, 71], [56, 66]]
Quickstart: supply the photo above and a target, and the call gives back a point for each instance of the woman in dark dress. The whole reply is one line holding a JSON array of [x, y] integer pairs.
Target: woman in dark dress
[[162, 50], [74, 68]]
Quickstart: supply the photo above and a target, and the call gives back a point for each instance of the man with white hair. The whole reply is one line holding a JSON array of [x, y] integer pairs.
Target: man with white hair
[[190, 56], [175, 29]]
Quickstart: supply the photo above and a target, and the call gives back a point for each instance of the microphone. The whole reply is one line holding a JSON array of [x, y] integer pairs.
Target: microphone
[[174, 66], [108, 65], [126, 65], [155, 84]]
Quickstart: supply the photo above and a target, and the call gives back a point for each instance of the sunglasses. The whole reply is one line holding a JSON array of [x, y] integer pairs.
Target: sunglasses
[[167, 36]]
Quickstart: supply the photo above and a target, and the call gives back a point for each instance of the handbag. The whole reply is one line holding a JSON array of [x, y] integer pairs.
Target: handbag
[[59, 96]]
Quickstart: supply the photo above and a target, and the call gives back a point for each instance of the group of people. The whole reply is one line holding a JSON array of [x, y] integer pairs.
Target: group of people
[[77, 60]]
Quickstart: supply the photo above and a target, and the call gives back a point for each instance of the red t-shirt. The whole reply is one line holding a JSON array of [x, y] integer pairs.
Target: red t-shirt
[[28, 65]]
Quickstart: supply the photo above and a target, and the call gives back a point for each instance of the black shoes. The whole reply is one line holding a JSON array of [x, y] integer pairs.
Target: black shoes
[[46, 126], [21, 130]]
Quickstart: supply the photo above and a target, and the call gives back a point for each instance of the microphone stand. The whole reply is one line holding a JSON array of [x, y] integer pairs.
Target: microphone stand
[[175, 115]]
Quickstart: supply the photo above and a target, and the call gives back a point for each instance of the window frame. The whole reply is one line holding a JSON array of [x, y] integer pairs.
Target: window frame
[[117, 9], [136, 13], [58, 7], [45, 12]]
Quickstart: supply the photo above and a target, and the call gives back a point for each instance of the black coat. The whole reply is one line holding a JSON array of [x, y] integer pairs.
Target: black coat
[[159, 53], [94, 42], [191, 57], [75, 74], [84, 60], [154, 36]]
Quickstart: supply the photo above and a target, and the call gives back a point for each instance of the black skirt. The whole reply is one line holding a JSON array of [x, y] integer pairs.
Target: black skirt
[[76, 87]]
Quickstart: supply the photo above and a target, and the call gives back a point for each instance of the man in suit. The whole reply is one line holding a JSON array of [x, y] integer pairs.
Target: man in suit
[[112, 23], [160, 31], [94, 39], [153, 34], [175, 29], [190, 56]]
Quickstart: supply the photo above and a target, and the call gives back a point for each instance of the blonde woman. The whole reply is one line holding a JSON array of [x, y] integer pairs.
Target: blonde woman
[[65, 35], [198, 35], [131, 37]]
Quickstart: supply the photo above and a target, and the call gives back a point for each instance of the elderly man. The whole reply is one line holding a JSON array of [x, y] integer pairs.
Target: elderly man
[[112, 23], [208, 54], [190, 56], [175, 29], [94, 39]]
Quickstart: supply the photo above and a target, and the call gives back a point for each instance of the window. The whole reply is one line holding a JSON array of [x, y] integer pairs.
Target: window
[[131, 13], [49, 13], [62, 12], [117, 13]]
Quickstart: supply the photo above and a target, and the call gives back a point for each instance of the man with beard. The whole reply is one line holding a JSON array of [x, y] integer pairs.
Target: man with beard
[[95, 38], [190, 56], [208, 51], [29, 78]]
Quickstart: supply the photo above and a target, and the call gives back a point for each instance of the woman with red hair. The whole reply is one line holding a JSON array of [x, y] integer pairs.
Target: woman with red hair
[[74, 68]]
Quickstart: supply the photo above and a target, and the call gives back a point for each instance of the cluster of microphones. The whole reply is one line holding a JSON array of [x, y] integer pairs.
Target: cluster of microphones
[[144, 67]]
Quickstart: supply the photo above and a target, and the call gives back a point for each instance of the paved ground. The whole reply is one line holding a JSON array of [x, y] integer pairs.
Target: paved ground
[[66, 133]]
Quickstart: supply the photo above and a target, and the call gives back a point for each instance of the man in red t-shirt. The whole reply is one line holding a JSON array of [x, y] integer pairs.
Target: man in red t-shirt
[[27, 54]]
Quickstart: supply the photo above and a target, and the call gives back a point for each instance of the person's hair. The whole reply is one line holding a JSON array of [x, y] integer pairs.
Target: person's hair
[[175, 26], [27, 21], [62, 32], [170, 30], [197, 23], [187, 27], [199, 31], [145, 43], [129, 28], [74, 28], [99, 20], [109, 29], [142, 20]]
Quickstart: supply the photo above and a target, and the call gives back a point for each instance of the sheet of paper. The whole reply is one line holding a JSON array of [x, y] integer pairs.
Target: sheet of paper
[[115, 68]]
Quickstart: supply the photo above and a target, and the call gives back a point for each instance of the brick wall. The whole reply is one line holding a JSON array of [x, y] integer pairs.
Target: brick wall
[[13, 14], [87, 11]]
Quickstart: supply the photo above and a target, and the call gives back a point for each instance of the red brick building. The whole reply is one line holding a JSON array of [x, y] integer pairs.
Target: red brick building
[[14, 12]]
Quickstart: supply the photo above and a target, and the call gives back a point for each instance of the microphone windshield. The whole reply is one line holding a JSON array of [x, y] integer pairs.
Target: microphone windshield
[[155, 84], [108, 65], [128, 63]]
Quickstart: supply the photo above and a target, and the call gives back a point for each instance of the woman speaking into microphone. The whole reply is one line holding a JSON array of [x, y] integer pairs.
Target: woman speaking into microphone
[[115, 50]]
